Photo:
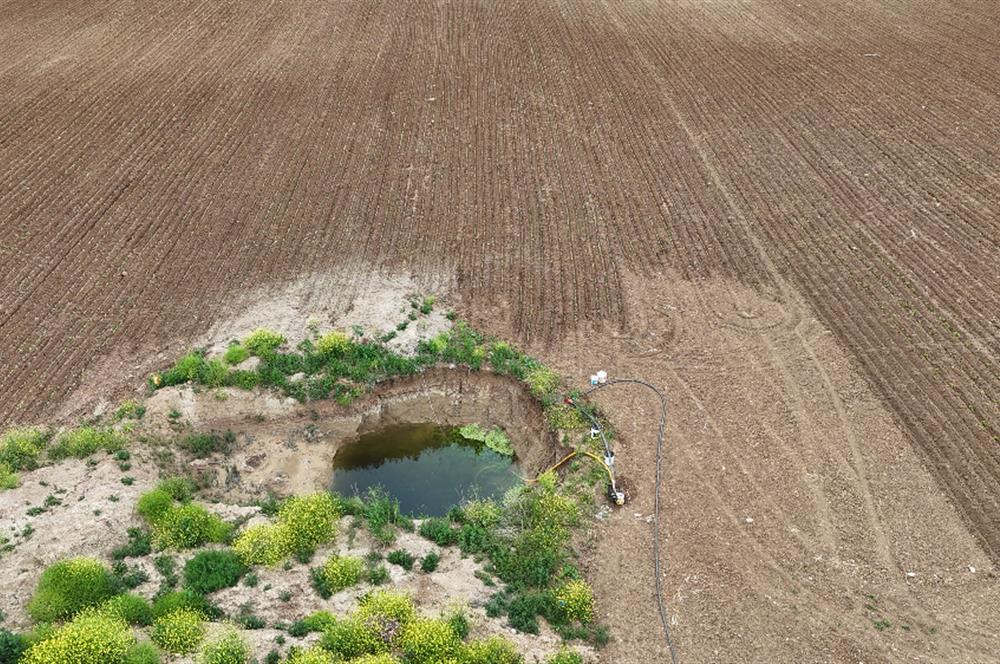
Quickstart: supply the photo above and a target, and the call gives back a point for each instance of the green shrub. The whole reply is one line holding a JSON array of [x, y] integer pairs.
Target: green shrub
[[133, 609], [473, 538], [68, 586], [11, 647], [143, 653], [402, 558], [19, 448], [310, 521], [128, 577], [576, 600], [484, 513], [429, 641], [209, 571], [264, 544], [202, 445], [179, 632], [167, 567], [381, 513], [228, 648], [494, 650], [377, 575], [351, 638], [386, 605], [129, 410], [314, 655], [82, 442], [429, 563], [524, 608], [459, 624], [235, 354], [564, 416], [507, 360], [184, 599], [261, 342], [565, 656], [8, 478], [92, 637], [185, 369], [542, 382], [180, 489], [152, 505], [530, 560], [333, 343], [188, 526], [382, 658], [318, 621], [245, 380], [341, 572], [439, 531], [139, 544]]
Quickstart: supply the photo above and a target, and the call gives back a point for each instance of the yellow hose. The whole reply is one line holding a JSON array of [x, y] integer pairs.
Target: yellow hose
[[570, 456]]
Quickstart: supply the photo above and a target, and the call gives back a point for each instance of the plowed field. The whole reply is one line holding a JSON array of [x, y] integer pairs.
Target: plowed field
[[840, 159]]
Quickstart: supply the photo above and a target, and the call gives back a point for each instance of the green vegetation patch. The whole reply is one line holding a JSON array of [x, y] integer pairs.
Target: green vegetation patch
[[176, 522], [303, 523], [81, 443], [338, 573], [68, 586], [227, 648], [179, 632], [209, 571], [19, 448], [93, 637], [133, 609]]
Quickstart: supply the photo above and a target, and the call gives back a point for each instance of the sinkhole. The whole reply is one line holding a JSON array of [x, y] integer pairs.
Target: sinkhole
[[427, 467]]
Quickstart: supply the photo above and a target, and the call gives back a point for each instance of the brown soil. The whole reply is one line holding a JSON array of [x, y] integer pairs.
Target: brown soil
[[817, 180], [796, 516]]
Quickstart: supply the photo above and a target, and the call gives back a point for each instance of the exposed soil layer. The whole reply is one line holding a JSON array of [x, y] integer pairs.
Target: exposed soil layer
[[285, 447]]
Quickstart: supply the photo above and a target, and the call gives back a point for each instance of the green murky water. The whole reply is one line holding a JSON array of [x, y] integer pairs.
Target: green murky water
[[427, 467]]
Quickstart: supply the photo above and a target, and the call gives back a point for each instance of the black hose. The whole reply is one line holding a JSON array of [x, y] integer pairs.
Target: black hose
[[656, 499]]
